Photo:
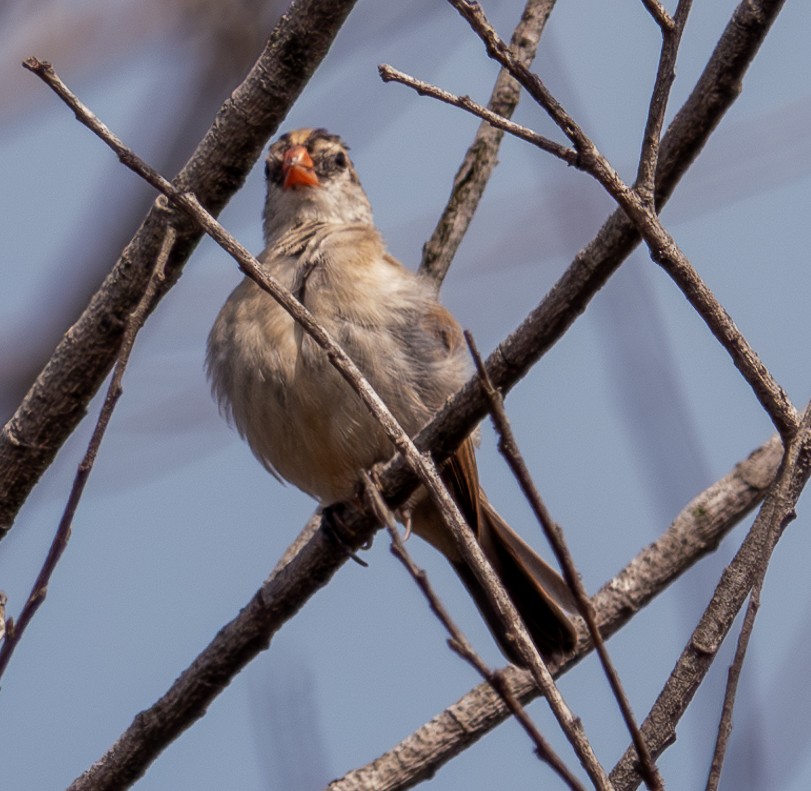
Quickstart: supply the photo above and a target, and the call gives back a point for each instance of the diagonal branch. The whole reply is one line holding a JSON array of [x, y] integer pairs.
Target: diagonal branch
[[665, 74], [663, 248], [422, 466], [696, 532], [735, 584], [58, 399], [714, 93], [132, 327], [492, 121], [481, 157]]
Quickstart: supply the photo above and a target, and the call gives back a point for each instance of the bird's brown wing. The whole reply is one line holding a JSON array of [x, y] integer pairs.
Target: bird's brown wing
[[538, 592]]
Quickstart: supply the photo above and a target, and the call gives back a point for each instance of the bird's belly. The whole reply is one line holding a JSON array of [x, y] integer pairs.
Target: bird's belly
[[312, 429]]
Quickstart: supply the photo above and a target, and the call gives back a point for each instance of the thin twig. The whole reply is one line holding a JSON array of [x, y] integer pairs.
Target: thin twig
[[498, 50], [733, 676], [554, 534], [481, 156], [695, 533], [725, 723], [662, 246], [60, 541], [460, 644], [731, 592], [665, 74], [659, 13], [390, 74], [421, 465]]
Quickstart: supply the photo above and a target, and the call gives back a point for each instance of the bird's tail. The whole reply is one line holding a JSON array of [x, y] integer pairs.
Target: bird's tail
[[540, 595]]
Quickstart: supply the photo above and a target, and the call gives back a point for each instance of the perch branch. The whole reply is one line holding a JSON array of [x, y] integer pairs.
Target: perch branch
[[696, 532], [554, 534], [419, 464]]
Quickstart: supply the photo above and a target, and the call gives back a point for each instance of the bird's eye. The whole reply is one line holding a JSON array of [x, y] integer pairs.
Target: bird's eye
[[273, 169], [340, 160]]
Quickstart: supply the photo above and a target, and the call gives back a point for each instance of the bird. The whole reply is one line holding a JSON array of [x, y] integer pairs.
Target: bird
[[303, 421]]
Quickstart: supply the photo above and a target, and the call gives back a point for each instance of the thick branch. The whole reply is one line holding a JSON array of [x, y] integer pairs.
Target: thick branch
[[58, 399]]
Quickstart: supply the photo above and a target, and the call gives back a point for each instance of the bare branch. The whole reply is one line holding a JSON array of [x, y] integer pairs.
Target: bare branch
[[390, 74], [658, 12], [58, 399], [481, 157], [133, 324], [725, 725], [665, 74], [421, 465], [696, 532], [665, 252], [734, 586], [317, 556], [461, 645], [716, 90], [509, 449], [663, 248]]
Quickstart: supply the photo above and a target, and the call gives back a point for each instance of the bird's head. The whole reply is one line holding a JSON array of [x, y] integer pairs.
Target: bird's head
[[311, 178]]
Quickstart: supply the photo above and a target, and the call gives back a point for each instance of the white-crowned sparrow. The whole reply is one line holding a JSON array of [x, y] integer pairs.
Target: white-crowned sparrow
[[302, 420]]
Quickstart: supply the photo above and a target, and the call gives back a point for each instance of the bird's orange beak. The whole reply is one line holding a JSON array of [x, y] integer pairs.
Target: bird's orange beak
[[298, 169]]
